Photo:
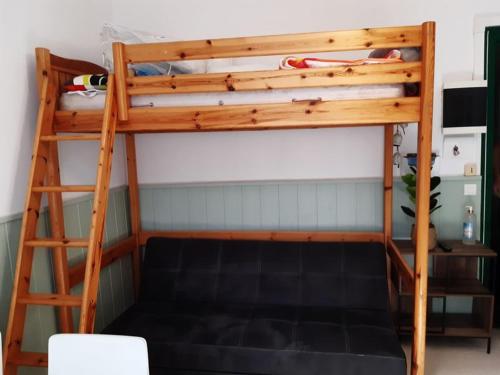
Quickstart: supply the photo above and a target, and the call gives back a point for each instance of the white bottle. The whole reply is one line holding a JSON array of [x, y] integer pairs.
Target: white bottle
[[469, 234]]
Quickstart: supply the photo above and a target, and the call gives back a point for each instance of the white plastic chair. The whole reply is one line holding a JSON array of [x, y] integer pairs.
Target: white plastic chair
[[80, 354]]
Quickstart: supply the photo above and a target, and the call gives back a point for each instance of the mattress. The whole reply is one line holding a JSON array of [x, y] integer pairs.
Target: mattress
[[79, 102]]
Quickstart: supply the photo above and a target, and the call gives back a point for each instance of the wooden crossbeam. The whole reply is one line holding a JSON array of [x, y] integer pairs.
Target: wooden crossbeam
[[276, 79], [298, 115], [64, 189], [346, 40], [60, 138], [50, 242], [50, 299], [269, 235], [31, 359]]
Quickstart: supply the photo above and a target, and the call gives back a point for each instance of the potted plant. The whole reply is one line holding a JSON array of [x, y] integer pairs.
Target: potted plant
[[410, 180]]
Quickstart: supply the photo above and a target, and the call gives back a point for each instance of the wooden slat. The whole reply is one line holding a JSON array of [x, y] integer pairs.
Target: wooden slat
[[298, 115], [103, 175], [424, 150], [50, 299], [135, 212], [30, 359], [64, 189], [110, 255], [276, 79], [347, 40], [396, 256], [49, 242], [59, 138], [269, 235]]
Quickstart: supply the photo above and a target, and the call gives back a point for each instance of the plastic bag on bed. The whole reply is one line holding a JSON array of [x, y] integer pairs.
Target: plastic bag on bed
[[113, 33]]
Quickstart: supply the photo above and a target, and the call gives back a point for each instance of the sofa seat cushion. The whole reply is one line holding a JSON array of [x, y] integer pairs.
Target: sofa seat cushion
[[265, 339]]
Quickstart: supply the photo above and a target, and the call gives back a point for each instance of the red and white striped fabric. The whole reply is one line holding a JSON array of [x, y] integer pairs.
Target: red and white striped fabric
[[292, 62]]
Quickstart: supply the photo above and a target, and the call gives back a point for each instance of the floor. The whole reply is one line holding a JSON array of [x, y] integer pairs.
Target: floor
[[460, 356]]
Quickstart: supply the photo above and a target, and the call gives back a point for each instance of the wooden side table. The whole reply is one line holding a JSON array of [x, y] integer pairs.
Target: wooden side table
[[467, 271]]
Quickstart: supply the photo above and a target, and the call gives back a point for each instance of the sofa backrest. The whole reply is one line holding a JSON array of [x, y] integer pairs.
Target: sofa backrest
[[349, 275]]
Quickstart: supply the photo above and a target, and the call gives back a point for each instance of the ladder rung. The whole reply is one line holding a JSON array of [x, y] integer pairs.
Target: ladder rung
[[63, 189], [50, 299], [31, 359], [51, 242], [57, 138]]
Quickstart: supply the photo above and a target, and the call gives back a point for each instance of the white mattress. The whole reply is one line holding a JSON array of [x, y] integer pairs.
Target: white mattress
[[76, 101]]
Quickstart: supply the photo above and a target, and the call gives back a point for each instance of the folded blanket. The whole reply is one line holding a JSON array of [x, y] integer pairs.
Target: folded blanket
[[87, 82], [292, 62]]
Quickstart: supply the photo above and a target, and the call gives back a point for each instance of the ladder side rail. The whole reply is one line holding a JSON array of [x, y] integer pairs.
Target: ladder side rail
[[17, 312], [94, 254], [55, 203]]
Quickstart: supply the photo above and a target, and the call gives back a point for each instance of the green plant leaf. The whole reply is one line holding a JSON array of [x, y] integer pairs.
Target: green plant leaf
[[435, 195], [433, 203], [408, 211], [409, 179], [412, 191], [413, 199], [435, 181], [435, 208]]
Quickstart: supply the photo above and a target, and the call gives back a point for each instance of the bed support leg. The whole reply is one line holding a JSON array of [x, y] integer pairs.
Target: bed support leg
[[388, 182], [135, 215], [422, 205]]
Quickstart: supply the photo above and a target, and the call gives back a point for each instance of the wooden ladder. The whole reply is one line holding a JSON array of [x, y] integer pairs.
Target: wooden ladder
[[45, 178]]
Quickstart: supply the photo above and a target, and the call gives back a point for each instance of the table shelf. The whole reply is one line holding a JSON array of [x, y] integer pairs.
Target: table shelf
[[465, 271]]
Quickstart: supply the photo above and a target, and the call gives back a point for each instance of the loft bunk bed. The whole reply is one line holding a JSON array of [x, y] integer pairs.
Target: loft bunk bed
[[119, 115]]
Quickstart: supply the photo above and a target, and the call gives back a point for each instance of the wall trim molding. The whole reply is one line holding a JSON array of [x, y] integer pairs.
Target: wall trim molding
[[350, 180]]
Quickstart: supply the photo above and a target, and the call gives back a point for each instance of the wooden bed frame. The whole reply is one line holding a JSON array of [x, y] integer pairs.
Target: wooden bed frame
[[53, 71]]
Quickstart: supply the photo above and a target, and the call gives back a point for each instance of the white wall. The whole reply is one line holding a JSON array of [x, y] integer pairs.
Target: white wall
[[298, 154], [71, 28], [68, 28]]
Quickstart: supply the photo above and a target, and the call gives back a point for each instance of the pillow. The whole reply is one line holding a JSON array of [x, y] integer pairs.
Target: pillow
[[407, 54], [113, 33]]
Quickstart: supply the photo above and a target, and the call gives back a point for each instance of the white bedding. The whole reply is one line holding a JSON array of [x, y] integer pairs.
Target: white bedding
[[75, 101]]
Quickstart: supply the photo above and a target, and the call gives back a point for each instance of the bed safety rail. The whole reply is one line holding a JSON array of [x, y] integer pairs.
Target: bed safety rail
[[268, 116]]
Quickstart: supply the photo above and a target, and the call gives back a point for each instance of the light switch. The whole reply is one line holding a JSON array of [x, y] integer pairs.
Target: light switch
[[470, 189], [470, 169]]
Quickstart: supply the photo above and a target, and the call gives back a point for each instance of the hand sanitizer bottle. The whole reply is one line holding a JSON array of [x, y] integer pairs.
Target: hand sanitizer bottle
[[469, 235]]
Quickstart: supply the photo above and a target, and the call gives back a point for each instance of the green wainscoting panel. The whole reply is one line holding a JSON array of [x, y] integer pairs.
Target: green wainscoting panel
[[115, 290], [296, 205]]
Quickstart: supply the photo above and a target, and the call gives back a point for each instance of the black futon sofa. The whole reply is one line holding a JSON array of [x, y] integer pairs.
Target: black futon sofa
[[261, 307]]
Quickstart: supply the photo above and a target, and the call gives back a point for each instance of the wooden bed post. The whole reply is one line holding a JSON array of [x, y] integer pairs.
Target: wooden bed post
[[388, 182], [135, 214], [422, 206], [121, 73]]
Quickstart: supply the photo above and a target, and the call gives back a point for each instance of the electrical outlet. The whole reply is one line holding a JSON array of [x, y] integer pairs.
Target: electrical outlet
[[470, 189]]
